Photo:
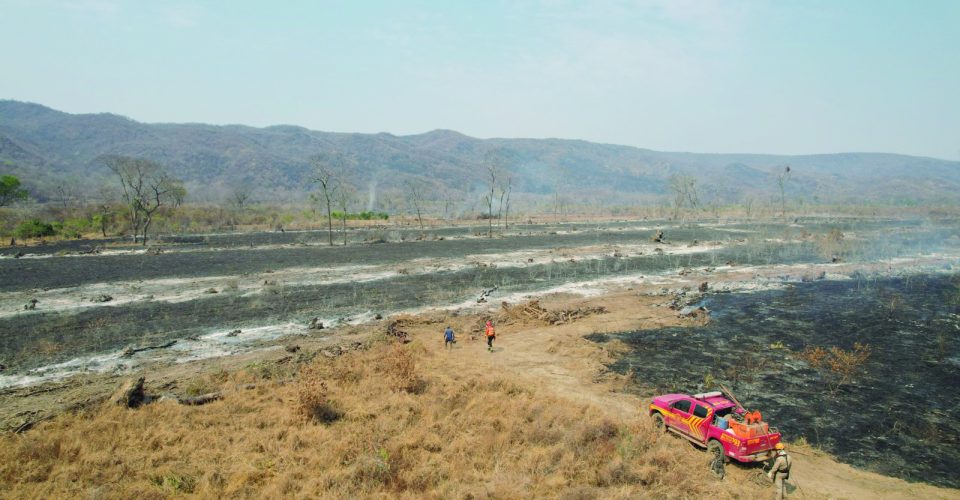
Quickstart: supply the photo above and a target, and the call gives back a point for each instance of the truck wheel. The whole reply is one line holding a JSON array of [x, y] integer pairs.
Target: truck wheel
[[658, 423], [717, 458]]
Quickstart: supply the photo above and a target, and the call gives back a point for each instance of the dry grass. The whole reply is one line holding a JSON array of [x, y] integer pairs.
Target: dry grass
[[393, 420]]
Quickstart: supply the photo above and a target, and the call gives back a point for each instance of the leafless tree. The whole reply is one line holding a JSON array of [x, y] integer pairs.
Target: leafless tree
[[415, 191], [146, 187], [344, 194], [748, 206], [782, 179], [492, 172], [684, 191], [64, 195], [325, 170], [240, 195], [556, 206], [504, 210], [447, 200]]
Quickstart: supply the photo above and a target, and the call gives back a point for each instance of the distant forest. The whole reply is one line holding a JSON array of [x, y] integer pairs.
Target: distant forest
[[57, 156]]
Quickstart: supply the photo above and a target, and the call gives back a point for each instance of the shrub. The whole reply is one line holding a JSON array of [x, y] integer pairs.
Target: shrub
[[402, 367], [312, 401], [74, 228], [339, 215], [34, 228], [840, 365]]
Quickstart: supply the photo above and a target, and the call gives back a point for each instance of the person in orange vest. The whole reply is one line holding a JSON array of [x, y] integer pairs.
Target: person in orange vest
[[491, 334]]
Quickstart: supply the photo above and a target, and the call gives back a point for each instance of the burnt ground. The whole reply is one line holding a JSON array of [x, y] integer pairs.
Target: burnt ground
[[43, 337]]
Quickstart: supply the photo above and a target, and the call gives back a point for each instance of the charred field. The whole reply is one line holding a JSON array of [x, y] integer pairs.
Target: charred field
[[892, 411], [197, 290], [776, 290]]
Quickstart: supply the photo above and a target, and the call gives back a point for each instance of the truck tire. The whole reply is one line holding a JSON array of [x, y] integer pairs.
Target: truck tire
[[717, 458], [658, 423]]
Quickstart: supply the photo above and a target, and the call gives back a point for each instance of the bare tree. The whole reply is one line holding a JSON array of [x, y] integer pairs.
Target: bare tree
[[447, 195], [325, 169], [415, 197], [556, 206], [782, 179], [748, 206], [684, 191], [489, 197], [63, 193], [240, 195], [146, 188], [344, 194], [504, 209]]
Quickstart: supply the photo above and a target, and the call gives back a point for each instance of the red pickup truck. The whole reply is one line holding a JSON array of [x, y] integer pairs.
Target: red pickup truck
[[716, 423]]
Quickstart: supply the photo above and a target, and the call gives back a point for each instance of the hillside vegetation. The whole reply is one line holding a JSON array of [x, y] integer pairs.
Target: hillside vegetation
[[45, 147]]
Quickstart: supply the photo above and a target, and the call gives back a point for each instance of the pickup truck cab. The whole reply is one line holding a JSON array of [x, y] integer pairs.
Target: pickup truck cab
[[712, 421]]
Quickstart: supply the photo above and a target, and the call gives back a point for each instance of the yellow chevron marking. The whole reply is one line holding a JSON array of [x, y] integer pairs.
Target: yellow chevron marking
[[693, 424]]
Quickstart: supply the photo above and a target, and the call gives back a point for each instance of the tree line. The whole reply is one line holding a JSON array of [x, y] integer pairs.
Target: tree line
[[143, 190]]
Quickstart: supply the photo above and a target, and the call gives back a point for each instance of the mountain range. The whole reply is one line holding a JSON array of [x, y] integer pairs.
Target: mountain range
[[47, 148]]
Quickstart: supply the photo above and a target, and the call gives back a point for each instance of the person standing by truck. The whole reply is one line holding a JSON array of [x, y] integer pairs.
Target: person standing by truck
[[491, 335], [780, 470]]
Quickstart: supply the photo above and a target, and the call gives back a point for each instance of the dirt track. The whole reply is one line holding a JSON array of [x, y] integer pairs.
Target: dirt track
[[558, 359]]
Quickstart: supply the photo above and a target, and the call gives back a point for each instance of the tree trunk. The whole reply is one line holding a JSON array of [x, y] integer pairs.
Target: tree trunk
[[146, 226], [329, 221]]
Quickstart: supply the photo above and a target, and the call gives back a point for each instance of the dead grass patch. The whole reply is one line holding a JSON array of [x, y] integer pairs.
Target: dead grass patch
[[406, 425]]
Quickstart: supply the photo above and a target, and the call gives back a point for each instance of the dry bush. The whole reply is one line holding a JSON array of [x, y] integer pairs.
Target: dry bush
[[839, 365], [313, 402], [816, 356], [401, 367], [831, 244]]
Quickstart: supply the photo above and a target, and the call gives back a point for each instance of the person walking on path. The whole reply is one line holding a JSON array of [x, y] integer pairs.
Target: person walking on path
[[448, 338], [491, 335], [780, 470]]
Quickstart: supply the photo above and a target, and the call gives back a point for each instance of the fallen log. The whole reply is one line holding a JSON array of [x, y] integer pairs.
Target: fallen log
[[130, 351], [26, 426], [201, 399]]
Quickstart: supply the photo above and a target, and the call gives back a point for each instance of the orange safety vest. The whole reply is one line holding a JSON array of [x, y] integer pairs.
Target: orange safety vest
[[490, 332]]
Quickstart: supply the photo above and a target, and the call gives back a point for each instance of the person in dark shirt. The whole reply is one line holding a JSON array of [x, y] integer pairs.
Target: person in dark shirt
[[448, 338]]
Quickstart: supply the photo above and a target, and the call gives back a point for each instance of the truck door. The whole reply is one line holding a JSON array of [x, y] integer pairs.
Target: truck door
[[700, 422], [680, 415]]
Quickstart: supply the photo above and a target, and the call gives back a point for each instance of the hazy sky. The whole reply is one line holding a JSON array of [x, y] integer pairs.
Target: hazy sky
[[680, 75]]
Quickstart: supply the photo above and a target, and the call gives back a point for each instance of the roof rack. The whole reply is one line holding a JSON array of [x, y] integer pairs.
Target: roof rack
[[705, 395]]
